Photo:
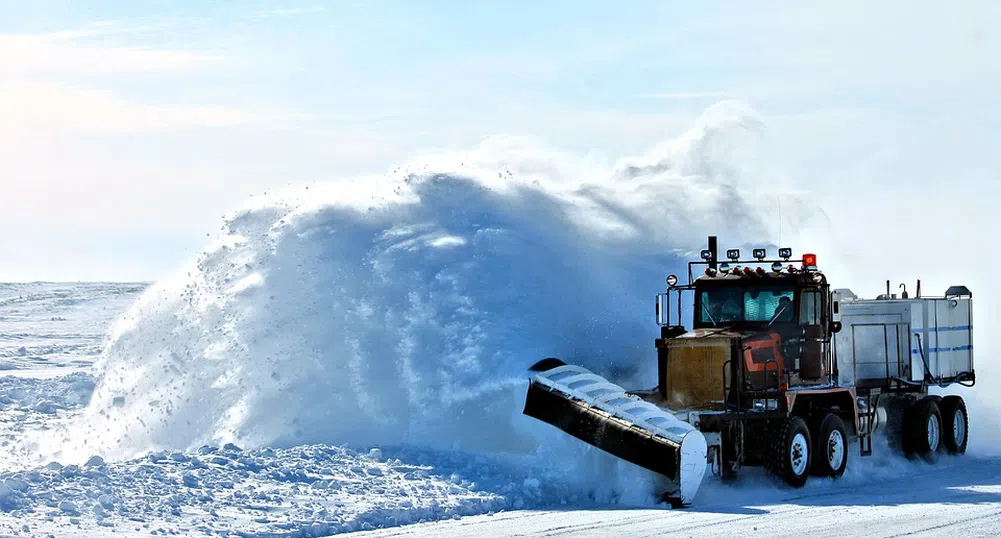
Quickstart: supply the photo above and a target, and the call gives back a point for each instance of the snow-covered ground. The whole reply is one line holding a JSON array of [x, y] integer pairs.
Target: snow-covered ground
[[961, 499], [318, 490], [62, 326], [303, 490], [352, 357]]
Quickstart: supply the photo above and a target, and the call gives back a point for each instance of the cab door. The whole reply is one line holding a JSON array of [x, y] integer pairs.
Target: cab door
[[812, 319]]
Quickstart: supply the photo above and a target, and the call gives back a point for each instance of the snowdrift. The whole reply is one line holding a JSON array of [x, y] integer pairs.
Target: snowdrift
[[406, 309]]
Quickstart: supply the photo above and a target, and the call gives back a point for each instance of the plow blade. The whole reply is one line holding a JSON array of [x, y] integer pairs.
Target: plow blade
[[600, 413]]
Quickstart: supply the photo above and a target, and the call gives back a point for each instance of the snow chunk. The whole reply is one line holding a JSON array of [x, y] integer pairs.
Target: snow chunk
[[447, 241], [45, 406], [16, 484], [190, 480]]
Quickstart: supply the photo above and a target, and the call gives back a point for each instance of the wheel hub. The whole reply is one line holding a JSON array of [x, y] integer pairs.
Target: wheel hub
[[798, 454], [933, 433], [959, 427], [835, 449]]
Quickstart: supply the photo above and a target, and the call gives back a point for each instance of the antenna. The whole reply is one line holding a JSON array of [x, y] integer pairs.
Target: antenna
[[780, 220]]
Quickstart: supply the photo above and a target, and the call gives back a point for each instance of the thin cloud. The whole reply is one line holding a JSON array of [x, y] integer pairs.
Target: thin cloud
[[287, 12], [33, 107], [683, 96], [64, 53]]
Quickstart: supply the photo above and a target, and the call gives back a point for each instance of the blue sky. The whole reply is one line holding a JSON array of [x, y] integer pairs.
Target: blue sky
[[128, 128]]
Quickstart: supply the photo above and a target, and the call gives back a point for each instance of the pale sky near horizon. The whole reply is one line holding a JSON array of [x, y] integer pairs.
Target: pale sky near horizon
[[128, 128]]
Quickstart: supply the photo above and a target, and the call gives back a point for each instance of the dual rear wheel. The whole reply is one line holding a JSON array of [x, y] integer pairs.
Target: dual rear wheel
[[797, 451], [932, 425]]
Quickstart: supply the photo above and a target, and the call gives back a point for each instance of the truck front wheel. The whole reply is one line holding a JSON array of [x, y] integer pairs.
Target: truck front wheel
[[791, 450]]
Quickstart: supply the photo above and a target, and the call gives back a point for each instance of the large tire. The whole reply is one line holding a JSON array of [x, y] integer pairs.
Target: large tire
[[830, 447], [790, 451], [955, 425], [922, 432]]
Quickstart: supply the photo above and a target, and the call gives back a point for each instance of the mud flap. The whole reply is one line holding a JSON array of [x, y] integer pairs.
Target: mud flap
[[590, 408]]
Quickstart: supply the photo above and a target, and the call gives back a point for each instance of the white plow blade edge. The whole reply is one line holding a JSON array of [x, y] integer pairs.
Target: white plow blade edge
[[601, 413]]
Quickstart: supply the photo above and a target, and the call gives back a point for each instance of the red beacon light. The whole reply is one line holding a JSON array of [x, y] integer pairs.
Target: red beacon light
[[809, 261]]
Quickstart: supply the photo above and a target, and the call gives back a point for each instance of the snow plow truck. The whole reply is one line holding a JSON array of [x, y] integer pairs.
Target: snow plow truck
[[778, 370]]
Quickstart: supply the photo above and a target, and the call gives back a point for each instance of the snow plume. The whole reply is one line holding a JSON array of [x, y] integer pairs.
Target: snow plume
[[406, 309]]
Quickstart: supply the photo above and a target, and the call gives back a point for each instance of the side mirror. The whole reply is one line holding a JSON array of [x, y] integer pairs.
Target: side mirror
[[835, 327], [836, 306]]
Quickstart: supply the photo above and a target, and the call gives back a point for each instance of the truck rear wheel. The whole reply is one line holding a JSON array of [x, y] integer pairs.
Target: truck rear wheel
[[830, 448], [955, 424], [790, 451], [922, 429]]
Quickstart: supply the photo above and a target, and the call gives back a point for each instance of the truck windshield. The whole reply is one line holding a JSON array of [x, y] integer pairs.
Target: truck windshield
[[735, 303]]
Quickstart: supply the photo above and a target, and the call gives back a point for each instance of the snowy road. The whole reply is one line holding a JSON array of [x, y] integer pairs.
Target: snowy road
[[957, 498]]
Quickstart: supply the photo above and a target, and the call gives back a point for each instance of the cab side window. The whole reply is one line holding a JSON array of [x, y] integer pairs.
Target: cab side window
[[809, 308]]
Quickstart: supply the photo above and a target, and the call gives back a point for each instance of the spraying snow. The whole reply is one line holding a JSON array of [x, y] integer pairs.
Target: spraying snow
[[406, 309]]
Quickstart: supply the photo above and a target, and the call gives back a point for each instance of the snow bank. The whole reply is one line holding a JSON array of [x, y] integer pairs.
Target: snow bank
[[406, 309], [303, 491]]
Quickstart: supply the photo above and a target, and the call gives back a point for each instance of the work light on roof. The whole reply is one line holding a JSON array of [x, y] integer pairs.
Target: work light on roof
[[707, 255], [672, 280], [724, 268], [733, 254], [785, 253], [760, 253], [777, 267]]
